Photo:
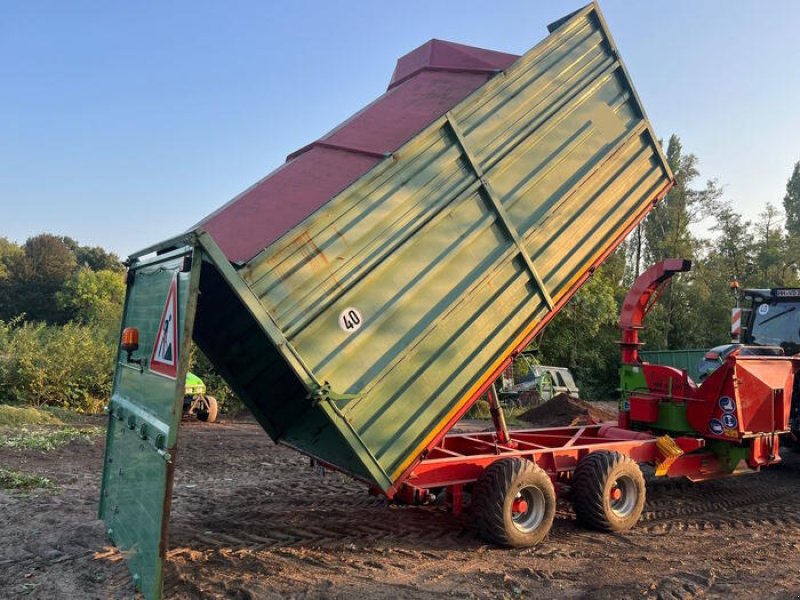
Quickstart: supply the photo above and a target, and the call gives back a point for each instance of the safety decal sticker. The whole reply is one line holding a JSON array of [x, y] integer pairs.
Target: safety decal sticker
[[715, 426], [763, 309], [729, 421], [727, 404], [164, 359]]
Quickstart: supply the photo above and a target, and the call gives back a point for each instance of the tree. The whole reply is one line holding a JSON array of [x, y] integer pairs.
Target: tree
[[791, 202], [734, 244], [94, 257], [34, 277], [774, 265], [666, 228], [583, 335], [98, 259], [93, 296], [9, 254], [667, 234]]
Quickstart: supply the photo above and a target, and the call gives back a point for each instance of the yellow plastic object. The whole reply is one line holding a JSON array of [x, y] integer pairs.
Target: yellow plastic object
[[669, 452]]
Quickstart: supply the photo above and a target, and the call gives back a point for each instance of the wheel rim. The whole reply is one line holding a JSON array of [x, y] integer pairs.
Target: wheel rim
[[527, 509], [623, 496]]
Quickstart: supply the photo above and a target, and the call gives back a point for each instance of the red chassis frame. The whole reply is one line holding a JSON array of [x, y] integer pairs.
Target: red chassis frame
[[460, 458]]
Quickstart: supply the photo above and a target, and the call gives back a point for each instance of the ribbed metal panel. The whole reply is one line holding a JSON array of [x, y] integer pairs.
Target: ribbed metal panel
[[458, 246]]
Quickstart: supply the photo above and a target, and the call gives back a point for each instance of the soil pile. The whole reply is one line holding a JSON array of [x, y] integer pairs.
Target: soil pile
[[563, 410]]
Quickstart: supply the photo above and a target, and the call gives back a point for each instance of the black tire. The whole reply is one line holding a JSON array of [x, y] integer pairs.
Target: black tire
[[503, 521], [207, 411], [608, 491]]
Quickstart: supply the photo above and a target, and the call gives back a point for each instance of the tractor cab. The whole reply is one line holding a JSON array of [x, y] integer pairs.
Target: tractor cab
[[773, 319]]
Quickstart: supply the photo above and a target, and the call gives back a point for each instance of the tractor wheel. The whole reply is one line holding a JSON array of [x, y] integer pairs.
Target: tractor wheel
[[608, 491], [207, 410], [514, 503]]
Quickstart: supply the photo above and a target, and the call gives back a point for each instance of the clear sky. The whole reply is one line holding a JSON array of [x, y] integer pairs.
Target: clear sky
[[124, 123]]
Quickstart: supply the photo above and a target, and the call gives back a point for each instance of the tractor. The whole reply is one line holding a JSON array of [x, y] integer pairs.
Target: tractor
[[771, 327], [196, 402]]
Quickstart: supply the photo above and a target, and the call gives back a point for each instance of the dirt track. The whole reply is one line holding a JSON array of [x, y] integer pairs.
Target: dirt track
[[252, 520]]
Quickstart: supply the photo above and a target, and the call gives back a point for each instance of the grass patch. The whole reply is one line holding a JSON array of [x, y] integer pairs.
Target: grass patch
[[25, 439], [17, 480], [15, 416]]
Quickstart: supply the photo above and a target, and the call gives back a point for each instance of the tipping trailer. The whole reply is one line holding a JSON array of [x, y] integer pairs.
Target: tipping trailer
[[363, 296]]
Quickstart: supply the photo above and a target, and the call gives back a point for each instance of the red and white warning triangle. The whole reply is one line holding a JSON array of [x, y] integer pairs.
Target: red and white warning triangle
[[164, 359]]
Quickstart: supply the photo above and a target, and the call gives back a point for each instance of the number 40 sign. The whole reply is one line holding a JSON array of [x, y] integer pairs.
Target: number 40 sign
[[350, 320]]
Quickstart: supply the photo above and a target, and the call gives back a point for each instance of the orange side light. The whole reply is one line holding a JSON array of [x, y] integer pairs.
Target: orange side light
[[130, 339]]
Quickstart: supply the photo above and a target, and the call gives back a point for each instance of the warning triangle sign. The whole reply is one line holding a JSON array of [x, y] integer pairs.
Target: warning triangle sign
[[164, 359]]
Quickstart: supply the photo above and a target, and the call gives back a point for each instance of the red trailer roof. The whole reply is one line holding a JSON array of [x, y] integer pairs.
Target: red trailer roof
[[426, 83]]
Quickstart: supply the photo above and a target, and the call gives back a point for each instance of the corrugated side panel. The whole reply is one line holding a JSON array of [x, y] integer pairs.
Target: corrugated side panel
[[454, 249]]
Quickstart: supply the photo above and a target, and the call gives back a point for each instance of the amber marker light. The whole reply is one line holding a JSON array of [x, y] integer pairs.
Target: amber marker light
[[130, 340]]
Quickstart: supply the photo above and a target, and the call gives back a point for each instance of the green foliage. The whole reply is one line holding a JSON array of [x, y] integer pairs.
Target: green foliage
[[773, 265], [47, 440], [69, 366], [94, 257], [94, 296], [522, 367], [666, 229], [10, 253], [39, 278], [479, 411], [17, 480], [732, 250], [34, 277], [60, 307], [667, 234], [582, 336], [791, 202]]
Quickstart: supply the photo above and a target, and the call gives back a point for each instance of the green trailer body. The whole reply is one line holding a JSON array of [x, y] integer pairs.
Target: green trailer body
[[361, 333]]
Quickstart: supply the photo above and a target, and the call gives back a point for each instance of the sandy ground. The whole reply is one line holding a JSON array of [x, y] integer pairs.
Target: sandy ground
[[251, 520]]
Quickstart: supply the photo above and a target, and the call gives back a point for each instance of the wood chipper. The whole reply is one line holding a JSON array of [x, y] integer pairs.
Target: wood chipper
[[363, 296]]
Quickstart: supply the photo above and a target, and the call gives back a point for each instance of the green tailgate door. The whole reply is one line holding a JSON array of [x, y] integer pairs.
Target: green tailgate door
[[145, 412]]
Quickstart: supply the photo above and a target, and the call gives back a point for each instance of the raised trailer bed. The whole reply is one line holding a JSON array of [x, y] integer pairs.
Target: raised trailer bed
[[363, 296]]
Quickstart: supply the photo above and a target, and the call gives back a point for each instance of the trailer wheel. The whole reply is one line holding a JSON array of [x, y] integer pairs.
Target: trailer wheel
[[608, 491], [207, 409], [514, 503]]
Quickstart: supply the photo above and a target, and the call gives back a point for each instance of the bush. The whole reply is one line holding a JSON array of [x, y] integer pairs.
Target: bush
[[480, 410], [68, 366], [72, 367]]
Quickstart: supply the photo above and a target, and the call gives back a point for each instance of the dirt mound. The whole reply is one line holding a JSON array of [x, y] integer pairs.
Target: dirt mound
[[563, 410]]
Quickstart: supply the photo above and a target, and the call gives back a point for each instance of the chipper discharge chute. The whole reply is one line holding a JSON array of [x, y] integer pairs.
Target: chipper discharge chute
[[362, 296]]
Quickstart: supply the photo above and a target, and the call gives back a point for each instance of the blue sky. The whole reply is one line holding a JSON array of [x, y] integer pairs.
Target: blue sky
[[124, 123]]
